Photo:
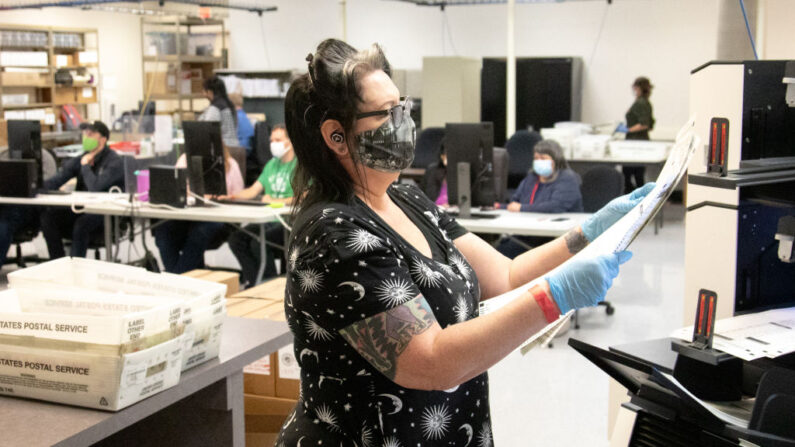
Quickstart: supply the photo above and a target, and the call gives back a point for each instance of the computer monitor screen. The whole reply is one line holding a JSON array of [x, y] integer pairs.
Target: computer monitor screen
[[24, 143], [471, 143], [203, 140]]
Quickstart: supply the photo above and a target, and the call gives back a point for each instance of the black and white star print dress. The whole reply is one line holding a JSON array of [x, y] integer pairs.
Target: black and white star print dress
[[346, 264]]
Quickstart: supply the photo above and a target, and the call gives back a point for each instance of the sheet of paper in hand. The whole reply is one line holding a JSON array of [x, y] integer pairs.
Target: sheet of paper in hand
[[621, 234]]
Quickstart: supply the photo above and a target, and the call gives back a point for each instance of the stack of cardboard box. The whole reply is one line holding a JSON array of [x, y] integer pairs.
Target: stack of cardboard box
[[271, 384]]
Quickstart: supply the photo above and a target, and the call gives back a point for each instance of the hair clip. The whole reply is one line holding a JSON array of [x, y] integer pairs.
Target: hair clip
[[310, 58]]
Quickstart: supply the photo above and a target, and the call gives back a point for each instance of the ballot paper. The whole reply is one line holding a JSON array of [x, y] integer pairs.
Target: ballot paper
[[738, 415], [621, 234], [753, 336]]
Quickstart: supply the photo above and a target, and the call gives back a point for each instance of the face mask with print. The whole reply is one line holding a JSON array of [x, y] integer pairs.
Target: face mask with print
[[388, 148], [278, 149], [542, 167], [89, 144]]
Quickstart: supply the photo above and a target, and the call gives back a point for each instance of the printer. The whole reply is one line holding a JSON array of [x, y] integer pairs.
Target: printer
[[739, 260]]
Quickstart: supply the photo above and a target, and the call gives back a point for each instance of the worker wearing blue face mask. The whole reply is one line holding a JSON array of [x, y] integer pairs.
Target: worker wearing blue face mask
[[550, 187]]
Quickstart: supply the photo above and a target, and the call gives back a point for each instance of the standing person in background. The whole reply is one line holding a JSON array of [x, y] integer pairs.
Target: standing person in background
[[220, 109], [182, 243], [639, 122], [100, 169], [275, 183], [245, 131]]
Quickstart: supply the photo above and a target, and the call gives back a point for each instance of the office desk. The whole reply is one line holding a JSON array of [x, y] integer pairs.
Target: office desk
[[525, 224], [238, 215], [204, 408], [77, 198]]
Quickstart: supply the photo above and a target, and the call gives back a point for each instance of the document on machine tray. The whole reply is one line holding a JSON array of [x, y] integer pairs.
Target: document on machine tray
[[753, 336], [621, 234]]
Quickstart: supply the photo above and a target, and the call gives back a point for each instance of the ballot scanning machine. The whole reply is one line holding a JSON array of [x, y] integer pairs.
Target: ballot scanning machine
[[740, 228]]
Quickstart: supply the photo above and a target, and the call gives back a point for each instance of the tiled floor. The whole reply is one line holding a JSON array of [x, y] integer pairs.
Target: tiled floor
[[555, 397]]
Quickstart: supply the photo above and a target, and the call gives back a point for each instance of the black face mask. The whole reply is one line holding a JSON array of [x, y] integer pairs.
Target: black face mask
[[389, 148]]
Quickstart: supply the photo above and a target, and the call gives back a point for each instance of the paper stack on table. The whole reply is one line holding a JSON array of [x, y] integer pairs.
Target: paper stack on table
[[621, 234], [753, 336]]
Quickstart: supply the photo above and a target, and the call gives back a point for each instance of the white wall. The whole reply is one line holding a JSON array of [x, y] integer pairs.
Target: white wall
[[663, 40], [778, 24], [119, 49]]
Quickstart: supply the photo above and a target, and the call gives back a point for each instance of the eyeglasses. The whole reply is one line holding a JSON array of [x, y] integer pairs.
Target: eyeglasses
[[396, 114]]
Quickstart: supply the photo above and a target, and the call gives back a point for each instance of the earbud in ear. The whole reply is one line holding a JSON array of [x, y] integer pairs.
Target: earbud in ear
[[337, 137]]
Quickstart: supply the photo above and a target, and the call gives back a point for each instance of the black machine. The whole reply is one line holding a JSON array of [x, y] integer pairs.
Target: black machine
[[18, 178], [24, 143], [738, 261], [168, 186], [470, 173], [666, 415], [205, 156]]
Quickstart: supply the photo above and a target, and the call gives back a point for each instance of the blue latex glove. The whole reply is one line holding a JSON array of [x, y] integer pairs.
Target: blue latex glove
[[584, 282], [614, 210], [621, 128]]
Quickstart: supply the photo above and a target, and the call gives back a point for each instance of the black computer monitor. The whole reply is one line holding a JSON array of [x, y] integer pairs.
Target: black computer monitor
[[203, 143], [24, 143], [471, 143]]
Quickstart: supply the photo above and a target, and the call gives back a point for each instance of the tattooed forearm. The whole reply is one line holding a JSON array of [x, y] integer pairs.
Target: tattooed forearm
[[381, 339], [575, 241]]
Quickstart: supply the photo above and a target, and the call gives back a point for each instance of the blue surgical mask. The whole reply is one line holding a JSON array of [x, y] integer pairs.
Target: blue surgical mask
[[543, 167]]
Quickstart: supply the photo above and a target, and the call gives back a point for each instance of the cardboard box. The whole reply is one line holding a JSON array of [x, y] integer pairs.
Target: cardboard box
[[261, 439], [259, 377], [266, 414], [231, 279], [272, 289], [85, 95], [65, 95], [25, 78], [247, 306], [288, 378], [273, 310], [164, 82], [3, 133]]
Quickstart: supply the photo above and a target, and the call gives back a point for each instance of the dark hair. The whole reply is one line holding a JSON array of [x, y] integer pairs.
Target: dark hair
[[328, 91], [644, 85], [553, 149], [220, 98]]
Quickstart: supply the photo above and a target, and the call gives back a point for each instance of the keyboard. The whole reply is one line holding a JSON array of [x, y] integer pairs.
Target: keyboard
[[474, 214], [242, 202]]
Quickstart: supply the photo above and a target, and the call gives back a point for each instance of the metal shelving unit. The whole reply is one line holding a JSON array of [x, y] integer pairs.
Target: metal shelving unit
[[38, 81], [166, 43]]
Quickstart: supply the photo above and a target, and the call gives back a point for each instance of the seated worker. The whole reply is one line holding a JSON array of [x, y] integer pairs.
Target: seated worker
[[182, 243], [245, 131], [550, 187], [98, 170], [434, 181], [275, 183]]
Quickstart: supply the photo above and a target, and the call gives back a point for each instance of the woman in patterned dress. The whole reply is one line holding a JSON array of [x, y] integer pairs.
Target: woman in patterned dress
[[383, 287]]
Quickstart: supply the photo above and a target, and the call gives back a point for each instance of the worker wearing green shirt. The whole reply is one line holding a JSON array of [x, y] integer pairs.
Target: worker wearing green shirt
[[639, 122], [275, 185]]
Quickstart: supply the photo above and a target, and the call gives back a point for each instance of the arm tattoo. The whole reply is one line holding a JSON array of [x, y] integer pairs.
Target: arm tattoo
[[381, 339], [575, 241]]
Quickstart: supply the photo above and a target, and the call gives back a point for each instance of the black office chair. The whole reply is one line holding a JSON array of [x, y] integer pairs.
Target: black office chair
[[260, 152], [600, 185], [428, 147], [520, 150]]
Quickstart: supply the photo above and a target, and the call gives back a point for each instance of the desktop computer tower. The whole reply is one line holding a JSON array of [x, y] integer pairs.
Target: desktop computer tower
[[168, 186], [19, 178]]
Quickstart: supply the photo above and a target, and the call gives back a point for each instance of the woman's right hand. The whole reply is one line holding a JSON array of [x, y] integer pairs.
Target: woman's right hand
[[584, 282]]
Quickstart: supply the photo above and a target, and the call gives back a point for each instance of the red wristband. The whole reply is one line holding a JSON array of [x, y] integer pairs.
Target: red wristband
[[550, 309]]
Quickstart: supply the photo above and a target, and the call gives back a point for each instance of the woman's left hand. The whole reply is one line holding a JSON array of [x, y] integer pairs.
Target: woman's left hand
[[614, 210]]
